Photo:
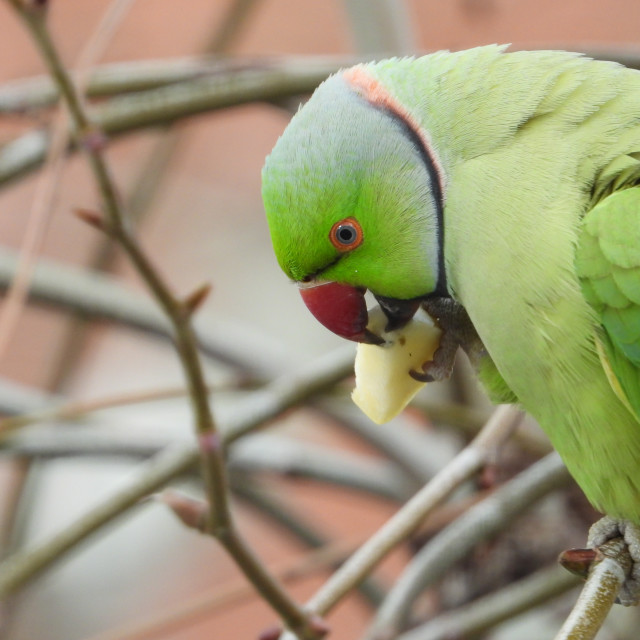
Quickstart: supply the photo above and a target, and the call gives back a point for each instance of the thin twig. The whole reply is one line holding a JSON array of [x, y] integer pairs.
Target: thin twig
[[144, 188], [49, 181], [405, 521], [255, 410], [168, 104], [450, 545], [483, 614], [221, 522]]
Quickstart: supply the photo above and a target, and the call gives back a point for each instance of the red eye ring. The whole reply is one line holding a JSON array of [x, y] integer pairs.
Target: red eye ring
[[346, 234]]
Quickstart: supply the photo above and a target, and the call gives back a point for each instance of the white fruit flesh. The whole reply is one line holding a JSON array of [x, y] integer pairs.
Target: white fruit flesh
[[383, 384]]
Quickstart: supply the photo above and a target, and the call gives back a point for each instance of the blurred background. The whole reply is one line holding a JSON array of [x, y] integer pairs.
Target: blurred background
[[195, 186]]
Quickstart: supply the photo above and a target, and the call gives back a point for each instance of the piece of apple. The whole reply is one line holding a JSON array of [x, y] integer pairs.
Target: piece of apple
[[383, 384]]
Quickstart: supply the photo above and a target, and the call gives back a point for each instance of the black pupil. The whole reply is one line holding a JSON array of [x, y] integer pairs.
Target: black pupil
[[346, 234]]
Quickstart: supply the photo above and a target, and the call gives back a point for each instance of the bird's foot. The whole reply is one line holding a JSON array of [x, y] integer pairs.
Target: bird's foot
[[441, 366], [608, 528]]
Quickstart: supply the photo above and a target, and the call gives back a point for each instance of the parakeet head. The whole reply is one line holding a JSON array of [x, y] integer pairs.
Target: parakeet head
[[353, 203]]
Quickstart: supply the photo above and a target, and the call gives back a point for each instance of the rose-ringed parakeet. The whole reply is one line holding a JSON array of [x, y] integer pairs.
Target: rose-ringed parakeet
[[500, 192]]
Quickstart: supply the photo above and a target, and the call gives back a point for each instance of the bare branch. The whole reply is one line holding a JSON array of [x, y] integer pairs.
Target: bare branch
[[607, 574], [164, 105], [485, 613], [466, 463], [453, 543], [221, 522], [258, 408]]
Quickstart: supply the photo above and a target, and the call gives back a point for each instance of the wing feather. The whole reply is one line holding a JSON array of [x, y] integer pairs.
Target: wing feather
[[608, 265]]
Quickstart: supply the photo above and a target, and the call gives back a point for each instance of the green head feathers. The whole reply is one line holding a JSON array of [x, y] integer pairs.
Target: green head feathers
[[343, 157]]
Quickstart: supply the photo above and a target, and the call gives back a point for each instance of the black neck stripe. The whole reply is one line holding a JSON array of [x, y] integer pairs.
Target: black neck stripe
[[436, 190]]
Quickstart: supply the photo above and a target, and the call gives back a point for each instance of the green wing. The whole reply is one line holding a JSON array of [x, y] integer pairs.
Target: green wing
[[608, 265]]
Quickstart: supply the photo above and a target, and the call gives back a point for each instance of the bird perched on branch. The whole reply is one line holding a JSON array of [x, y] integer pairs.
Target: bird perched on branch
[[500, 192]]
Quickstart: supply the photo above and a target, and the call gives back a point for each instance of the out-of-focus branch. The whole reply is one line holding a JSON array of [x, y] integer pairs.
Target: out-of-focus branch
[[102, 297], [136, 76], [221, 523], [381, 27], [453, 543], [261, 453], [485, 613], [164, 105], [257, 408], [419, 453], [407, 519]]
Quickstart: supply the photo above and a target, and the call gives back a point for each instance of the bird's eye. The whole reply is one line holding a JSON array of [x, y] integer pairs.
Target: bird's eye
[[346, 234]]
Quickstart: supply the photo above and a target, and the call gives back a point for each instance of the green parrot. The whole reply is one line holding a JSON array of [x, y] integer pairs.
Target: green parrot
[[500, 192]]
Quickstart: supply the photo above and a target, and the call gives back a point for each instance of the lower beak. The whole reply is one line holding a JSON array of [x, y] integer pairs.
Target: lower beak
[[342, 309]]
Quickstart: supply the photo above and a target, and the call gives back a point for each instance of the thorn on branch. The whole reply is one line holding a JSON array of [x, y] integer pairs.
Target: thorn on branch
[[272, 633], [191, 512], [92, 218], [196, 298], [579, 561]]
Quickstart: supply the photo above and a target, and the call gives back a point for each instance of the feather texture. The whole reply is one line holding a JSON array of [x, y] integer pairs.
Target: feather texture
[[540, 232]]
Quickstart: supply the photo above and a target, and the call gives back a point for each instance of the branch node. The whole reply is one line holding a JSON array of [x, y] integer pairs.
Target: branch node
[[579, 561], [319, 626], [210, 442], [196, 298], [92, 139]]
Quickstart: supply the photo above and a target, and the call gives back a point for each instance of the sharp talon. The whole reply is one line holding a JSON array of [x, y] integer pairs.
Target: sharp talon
[[421, 376], [368, 337]]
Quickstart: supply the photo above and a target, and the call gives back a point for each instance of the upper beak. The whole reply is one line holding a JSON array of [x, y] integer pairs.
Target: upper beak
[[342, 309]]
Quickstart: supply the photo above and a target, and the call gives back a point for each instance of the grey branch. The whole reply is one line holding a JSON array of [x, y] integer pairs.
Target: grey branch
[[478, 524], [256, 409], [486, 612], [164, 105], [102, 297]]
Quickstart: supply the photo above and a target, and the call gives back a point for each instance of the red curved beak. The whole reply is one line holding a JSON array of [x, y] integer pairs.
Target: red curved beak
[[340, 308]]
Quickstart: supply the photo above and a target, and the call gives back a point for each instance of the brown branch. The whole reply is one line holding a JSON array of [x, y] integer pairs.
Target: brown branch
[[221, 523], [260, 407]]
